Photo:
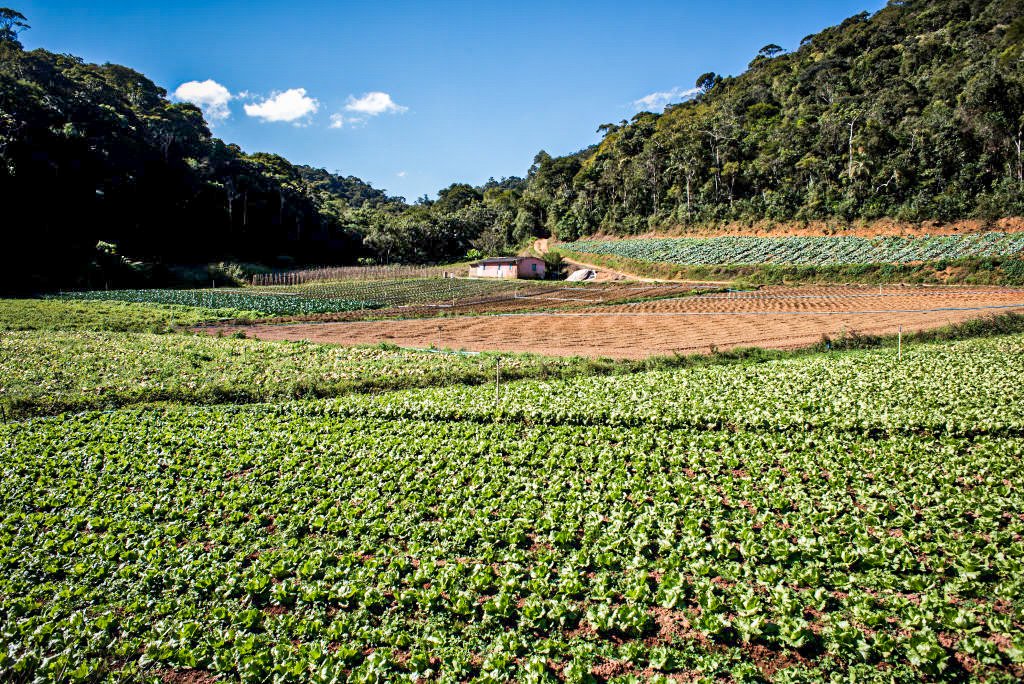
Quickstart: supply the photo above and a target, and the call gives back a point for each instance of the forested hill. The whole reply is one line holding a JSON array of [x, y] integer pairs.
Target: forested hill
[[92, 153], [914, 113]]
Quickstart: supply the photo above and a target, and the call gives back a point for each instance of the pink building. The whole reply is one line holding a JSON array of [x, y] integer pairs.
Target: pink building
[[508, 267]]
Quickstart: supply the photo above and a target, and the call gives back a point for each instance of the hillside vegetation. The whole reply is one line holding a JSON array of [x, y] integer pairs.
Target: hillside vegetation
[[92, 153], [914, 113]]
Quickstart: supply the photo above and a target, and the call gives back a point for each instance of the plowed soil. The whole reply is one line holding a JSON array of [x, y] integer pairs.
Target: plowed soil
[[777, 318]]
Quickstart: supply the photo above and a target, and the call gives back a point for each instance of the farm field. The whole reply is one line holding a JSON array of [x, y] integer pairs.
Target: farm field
[[375, 299], [268, 303], [54, 314], [839, 250], [74, 370], [453, 297], [774, 317], [846, 515]]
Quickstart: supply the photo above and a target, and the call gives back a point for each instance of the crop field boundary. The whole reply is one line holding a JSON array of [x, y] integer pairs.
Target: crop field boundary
[[664, 326]]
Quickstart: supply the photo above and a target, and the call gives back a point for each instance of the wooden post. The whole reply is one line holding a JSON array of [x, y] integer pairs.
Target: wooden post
[[899, 344]]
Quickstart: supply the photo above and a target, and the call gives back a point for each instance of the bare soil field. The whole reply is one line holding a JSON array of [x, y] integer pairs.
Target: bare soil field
[[530, 296], [774, 317]]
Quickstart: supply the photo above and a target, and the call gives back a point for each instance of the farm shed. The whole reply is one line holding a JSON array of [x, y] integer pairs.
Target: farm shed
[[508, 267]]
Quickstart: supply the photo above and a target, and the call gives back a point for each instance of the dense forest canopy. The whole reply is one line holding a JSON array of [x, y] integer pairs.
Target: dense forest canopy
[[93, 153], [914, 113]]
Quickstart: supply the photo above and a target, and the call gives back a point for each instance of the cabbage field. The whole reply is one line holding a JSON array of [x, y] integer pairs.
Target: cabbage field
[[405, 292], [269, 303], [847, 516], [325, 297], [76, 370], [811, 251]]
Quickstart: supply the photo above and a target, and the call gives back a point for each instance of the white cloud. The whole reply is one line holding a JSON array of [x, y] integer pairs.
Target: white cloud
[[345, 121], [290, 105], [210, 96], [400, 174], [373, 104], [656, 101]]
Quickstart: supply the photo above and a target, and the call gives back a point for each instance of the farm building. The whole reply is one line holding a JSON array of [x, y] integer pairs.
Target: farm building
[[508, 267]]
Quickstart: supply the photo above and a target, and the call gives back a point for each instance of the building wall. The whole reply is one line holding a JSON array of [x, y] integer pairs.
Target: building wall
[[496, 271], [527, 268], [531, 268]]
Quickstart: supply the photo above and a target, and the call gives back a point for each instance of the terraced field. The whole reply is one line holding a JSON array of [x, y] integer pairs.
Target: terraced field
[[822, 250], [850, 516]]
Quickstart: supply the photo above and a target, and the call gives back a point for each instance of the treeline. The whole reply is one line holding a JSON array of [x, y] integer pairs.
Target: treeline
[[96, 162], [914, 113]]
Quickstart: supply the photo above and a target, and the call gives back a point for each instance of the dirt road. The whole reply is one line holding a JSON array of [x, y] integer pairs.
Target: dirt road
[[778, 318], [608, 275]]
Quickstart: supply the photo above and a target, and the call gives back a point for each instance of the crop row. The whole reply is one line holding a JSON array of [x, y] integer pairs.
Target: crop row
[[963, 388], [414, 291], [270, 303], [254, 543], [409, 291], [78, 370], [851, 516], [840, 250], [53, 314]]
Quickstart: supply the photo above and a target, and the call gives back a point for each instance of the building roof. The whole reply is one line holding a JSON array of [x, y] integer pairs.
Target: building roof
[[502, 260]]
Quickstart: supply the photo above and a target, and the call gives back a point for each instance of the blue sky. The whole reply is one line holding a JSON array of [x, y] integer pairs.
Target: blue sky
[[413, 96]]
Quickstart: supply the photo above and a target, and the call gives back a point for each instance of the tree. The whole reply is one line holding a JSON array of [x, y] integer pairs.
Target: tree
[[705, 82], [456, 196], [769, 51], [11, 24], [554, 265]]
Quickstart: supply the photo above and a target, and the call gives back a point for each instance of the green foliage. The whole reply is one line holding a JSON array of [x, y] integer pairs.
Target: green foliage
[[94, 153], [401, 292], [80, 369], [554, 264], [788, 394], [834, 512], [12, 23], [76, 370], [267, 302], [52, 314], [914, 113], [977, 271], [809, 250]]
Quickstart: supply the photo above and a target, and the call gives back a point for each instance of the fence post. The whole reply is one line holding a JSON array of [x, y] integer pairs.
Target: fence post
[[899, 344]]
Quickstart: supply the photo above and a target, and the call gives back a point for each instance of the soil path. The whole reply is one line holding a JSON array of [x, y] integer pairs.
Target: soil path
[[605, 274], [777, 317]]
